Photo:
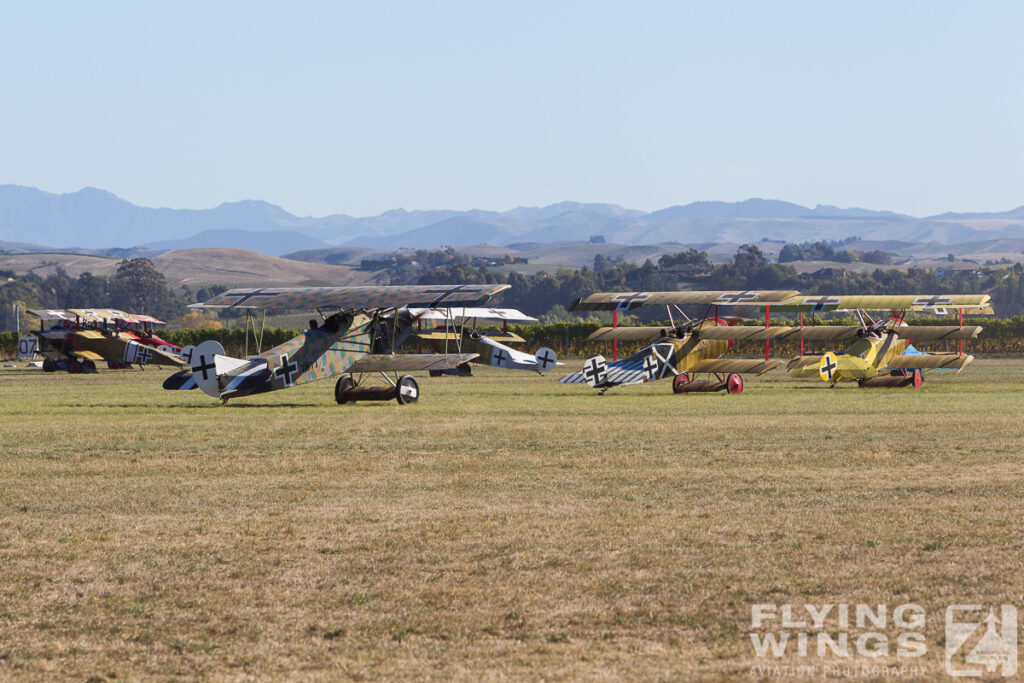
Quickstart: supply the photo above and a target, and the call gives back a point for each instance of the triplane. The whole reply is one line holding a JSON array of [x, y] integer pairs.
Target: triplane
[[683, 350], [882, 353], [76, 339]]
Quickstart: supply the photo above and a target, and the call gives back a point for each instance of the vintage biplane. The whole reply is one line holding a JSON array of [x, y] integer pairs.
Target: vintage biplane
[[76, 339], [882, 353], [357, 334], [459, 329], [681, 350]]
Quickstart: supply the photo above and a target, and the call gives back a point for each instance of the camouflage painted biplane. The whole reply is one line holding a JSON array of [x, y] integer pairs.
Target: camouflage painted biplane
[[459, 328], [682, 349], [78, 338], [360, 329]]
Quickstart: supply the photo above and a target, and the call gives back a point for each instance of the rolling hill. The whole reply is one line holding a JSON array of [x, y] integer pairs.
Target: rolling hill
[[199, 267]]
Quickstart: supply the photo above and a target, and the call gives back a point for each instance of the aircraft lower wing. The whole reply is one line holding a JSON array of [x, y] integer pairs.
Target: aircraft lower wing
[[950, 361], [410, 361], [802, 362], [85, 355], [724, 366], [455, 336]]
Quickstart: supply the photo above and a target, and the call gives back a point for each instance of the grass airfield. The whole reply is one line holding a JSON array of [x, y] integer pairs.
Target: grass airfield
[[505, 526]]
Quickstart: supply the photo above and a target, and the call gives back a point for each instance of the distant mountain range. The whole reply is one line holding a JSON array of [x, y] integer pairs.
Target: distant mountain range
[[93, 219]]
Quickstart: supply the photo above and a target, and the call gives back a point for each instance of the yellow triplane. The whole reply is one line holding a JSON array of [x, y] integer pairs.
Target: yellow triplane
[[880, 353]]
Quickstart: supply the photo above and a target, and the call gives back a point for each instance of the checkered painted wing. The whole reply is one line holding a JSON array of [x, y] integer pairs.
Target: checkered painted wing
[[350, 298]]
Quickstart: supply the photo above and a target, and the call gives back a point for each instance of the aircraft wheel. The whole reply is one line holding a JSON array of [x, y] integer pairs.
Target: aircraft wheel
[[49, 365], [436, 373], [74, 367], [679, 383], [734, 384], [918, 379], [89, 367], [344, 383], [407, 390], [465, 370]]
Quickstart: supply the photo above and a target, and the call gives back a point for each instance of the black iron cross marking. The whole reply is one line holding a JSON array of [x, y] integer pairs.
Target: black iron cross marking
[[286, 369], [143, 355], [821, 302], [829, 368], [245, 296], [932, 300], [663, 360], [736, 297], [203, 367], [187, 355], [629, 301], [650, 367], [546, 359], [500, 357], [594, 370]]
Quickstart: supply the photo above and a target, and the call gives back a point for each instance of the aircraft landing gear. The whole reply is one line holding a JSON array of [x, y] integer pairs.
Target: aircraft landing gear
[[343, 385], [405, 390]]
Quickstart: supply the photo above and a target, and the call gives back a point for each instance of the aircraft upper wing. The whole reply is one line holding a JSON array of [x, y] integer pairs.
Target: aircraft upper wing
[[933, 303], [410, 361], [52, 314], [462, 313], [627, 301], [102, 314], [292, 298]]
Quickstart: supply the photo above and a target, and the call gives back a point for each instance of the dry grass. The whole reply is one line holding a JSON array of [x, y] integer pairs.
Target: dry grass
[[506, 526]]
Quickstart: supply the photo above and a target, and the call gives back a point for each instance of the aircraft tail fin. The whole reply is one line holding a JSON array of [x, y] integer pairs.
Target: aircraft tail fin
[[546, 359]]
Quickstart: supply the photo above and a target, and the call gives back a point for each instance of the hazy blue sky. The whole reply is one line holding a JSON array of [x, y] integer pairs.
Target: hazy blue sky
[[357, 108]]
